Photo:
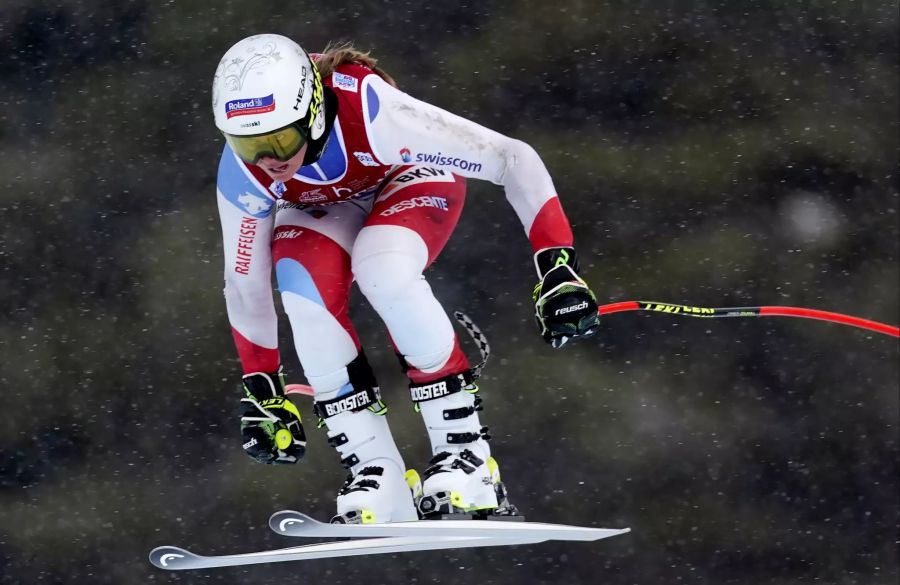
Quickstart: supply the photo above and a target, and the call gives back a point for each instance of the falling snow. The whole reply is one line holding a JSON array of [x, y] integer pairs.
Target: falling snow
[[708, 153]]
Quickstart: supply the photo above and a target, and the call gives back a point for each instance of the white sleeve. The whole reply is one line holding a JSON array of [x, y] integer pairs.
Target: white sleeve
[[404, 130], [246, 212]]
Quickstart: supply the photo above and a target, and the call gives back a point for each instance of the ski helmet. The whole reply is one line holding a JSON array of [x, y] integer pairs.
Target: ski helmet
[[267, 98]]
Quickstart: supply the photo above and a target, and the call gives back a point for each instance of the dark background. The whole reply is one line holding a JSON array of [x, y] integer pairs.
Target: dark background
[[710, 153]]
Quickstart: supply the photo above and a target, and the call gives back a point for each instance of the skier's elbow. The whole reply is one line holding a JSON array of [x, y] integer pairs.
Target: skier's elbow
[[524, 167], [521, 155]]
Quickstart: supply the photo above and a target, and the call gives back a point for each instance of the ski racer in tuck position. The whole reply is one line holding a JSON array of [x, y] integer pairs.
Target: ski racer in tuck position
[[331, 174]]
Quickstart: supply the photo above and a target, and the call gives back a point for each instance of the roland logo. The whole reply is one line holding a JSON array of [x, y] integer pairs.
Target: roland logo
[[573, 308], [436, 390]]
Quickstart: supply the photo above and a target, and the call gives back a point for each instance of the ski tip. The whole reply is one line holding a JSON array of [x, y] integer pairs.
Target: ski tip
[[171, 558], [289, 521], [622, 531]]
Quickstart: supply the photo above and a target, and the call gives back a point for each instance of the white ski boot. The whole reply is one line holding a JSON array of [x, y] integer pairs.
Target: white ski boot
[[462, 477], [376, 490]]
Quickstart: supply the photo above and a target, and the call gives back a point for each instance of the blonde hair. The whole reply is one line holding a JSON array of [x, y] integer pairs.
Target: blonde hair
[[337, 54]]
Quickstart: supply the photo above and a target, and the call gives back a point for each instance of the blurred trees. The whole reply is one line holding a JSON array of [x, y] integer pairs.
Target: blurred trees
[[709, 152]]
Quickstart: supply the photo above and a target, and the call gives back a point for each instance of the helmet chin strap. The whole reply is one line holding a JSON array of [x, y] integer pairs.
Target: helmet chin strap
[[317, 146]]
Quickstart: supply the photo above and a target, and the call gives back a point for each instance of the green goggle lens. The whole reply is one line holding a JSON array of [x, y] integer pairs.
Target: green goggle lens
[[282, 144]]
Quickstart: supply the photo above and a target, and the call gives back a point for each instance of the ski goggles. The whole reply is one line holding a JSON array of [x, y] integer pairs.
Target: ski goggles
[[281, 144]]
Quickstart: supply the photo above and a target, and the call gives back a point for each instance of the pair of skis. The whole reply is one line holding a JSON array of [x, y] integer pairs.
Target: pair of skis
[[398, 537]]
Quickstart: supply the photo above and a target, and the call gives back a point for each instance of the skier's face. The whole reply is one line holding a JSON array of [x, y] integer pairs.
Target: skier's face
[[282, 170]]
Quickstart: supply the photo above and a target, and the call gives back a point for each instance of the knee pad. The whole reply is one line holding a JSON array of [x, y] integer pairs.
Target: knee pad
[[387, 260]]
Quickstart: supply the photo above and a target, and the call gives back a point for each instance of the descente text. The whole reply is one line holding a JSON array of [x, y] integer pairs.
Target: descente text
[[424, 201]]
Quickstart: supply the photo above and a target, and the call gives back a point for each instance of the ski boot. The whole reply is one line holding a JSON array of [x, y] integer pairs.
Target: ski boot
[[376, 489], [462, 479]]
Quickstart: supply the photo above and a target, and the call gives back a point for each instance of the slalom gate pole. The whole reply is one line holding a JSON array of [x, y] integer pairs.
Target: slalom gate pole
[[714, 312]]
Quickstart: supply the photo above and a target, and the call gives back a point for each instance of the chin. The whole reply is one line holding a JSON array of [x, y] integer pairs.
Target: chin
[[283, 176]]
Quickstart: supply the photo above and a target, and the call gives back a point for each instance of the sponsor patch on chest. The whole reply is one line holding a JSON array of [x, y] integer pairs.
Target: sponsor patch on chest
[[366, 158], [278, 189], [314, 196], [344, 82]]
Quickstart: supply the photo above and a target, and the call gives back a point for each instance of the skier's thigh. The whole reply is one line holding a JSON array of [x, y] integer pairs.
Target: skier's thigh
[[425, 200]]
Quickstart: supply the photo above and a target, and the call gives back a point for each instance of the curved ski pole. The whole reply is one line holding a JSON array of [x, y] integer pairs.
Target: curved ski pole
[[484, 348], [768, 311]]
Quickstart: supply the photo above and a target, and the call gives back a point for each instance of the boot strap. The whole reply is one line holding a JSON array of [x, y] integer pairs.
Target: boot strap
[[443, 387], [357, 400]]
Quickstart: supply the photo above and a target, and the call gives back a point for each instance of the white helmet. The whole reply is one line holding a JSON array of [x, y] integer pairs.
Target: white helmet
[[267, 98]]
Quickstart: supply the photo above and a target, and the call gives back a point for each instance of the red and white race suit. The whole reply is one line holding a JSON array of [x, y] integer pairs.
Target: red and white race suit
[[377, 207]]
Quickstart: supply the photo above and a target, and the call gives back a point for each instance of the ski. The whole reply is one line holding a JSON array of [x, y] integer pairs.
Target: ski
[[173, 558], [291, 523]]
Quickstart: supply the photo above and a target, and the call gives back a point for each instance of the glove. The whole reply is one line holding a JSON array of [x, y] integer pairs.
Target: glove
[[564, 306], [270, 423]]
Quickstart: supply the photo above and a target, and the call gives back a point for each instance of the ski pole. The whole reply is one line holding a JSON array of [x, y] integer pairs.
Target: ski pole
[[683, 310], [768, 311]]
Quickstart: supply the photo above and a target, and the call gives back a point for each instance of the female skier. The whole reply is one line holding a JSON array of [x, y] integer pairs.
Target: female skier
[[331, 174]]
